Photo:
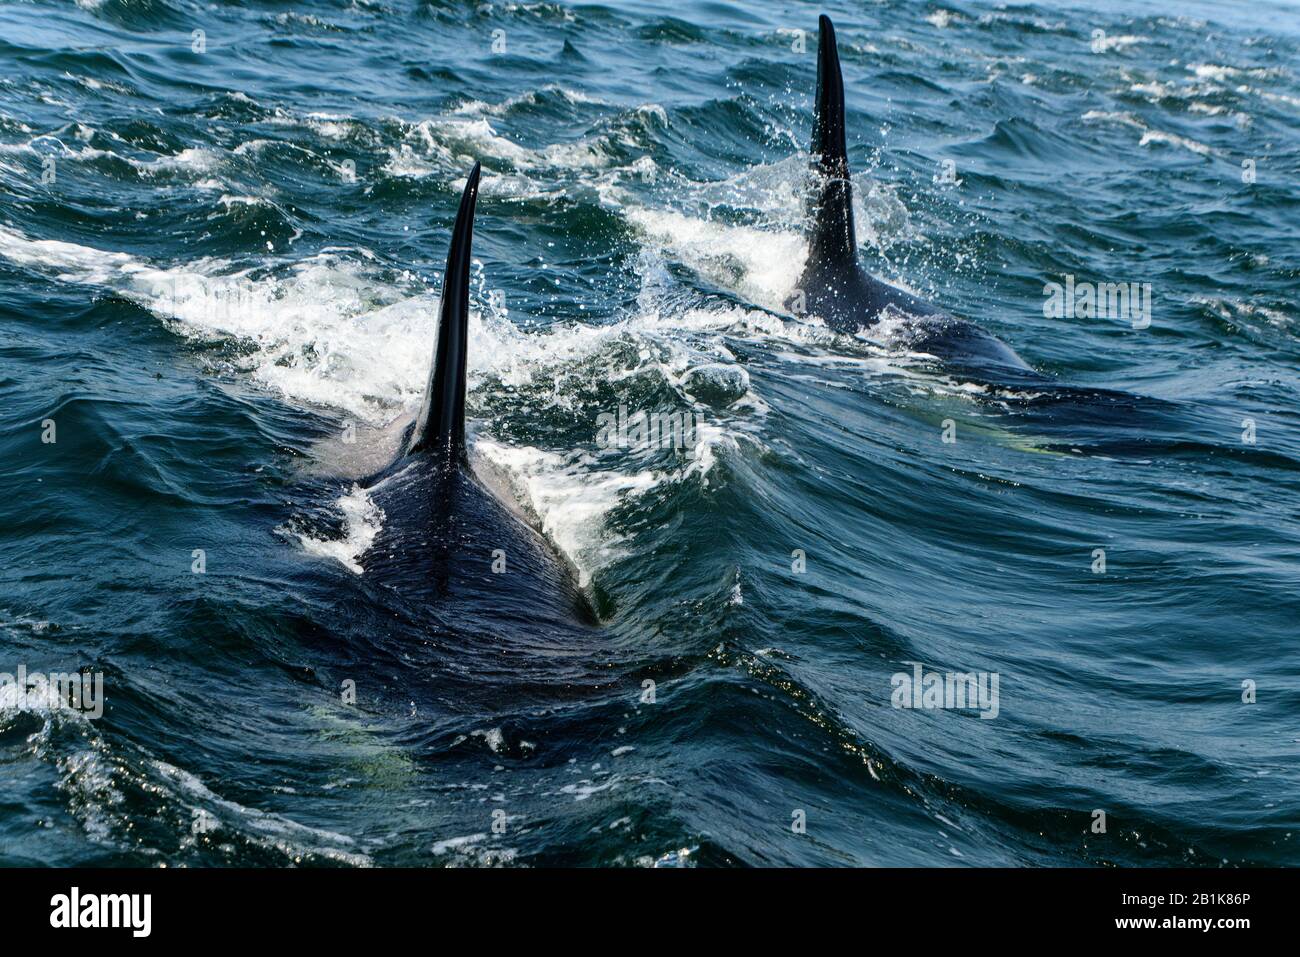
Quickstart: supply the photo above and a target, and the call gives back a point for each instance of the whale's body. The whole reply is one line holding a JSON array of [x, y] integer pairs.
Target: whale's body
[[455, 554], [451, 555], [836, 288]]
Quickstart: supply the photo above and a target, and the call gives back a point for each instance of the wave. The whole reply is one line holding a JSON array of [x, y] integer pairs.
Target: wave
[[339, 331]]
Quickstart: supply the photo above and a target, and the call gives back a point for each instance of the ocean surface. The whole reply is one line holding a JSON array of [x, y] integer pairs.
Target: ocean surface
[[220, 257]]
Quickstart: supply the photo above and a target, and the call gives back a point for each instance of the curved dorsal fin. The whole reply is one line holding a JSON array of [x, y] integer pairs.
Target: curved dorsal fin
[[831, 239], [440, 428]]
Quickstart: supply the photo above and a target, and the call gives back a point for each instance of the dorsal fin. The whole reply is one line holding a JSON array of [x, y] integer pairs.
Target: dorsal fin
[[440, 428], [831, 239]]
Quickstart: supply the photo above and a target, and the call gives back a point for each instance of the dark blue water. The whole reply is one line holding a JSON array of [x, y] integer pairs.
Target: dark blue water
[[219, 268]]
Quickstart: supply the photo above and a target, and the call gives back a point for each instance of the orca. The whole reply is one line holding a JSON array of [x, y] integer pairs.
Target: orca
[[453, 556], [835, 287]]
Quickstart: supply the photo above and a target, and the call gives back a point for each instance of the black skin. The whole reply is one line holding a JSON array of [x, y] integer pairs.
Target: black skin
[[443, 529], [442, 532], [847, 299], [835, 287]]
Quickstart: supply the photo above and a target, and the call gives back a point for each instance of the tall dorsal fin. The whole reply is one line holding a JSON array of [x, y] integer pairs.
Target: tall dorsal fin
[[831, 239], [440, 429]]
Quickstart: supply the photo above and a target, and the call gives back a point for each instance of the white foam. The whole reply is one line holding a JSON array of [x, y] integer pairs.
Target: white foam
[[1243, 311], [335, 330], [324, 330], [1105, 43], [440, 143], [1154, 89], [567, 498], [404, 160], [1173, 139], [1281, 98], [478, 107], [761, 258], [443, 144], [334, 126], [272, 830], [72, 263], [1107, 116], [585, 788], [1213, 71], [1149, 135], [193, 159], [762, 265], [457, 843], [493, 737], [476, 136], [363, 521]]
